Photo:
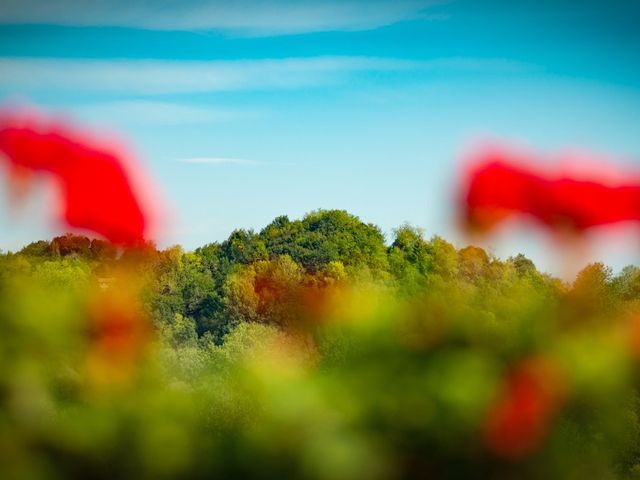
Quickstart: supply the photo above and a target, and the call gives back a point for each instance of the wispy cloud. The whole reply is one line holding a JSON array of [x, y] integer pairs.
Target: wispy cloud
[[158, 77], [146, 112], [219, 161], [232, 161], [240, 17], [152, 77]]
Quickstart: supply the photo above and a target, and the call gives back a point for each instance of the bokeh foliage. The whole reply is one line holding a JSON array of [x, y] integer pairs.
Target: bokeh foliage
[[314, 349]]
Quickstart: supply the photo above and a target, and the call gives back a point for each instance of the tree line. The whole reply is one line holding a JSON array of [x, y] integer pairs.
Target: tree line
[[267, 276]]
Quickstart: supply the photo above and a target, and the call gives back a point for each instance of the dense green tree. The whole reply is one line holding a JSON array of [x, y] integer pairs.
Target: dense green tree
[[524, 266], [68, 273], [212, 316], [335, 235], [164, 294], [445, 258], [410, 259], [40, 249], [244, 246], [180, 332], [627, 283], [282, 237], [325, 236]]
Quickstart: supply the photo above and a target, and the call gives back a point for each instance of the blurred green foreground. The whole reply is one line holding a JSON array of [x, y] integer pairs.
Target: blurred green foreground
[[314, 350]]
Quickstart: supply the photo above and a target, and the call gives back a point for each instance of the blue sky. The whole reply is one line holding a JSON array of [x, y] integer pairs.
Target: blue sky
[[245, 110]]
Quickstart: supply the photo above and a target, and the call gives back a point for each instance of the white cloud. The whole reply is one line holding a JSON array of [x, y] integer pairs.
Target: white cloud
[[152, 77], [243, 17]]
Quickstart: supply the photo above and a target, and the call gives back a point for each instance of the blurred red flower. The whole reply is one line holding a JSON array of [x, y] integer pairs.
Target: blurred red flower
[[519, 419], [502, 183], [119, 332], [97, 192]]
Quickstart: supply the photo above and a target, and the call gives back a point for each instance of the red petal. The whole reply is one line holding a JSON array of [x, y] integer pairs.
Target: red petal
[[501, 183], [97, 192]]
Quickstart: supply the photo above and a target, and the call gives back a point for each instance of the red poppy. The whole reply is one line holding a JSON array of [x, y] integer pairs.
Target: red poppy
[[502, 183], [94, 181]]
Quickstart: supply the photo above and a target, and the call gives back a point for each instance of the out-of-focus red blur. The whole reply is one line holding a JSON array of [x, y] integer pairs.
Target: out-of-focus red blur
[[95, 180], [119, 332], [501, 183], [520, 417]]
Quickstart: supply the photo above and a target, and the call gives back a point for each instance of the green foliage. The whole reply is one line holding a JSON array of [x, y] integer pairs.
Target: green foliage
[[244, 247], [627, 284], [265, 292], [41, 248], [181, 332], [310, 350], [445, 259], [326, 236], [593, 289], [410, 259]]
